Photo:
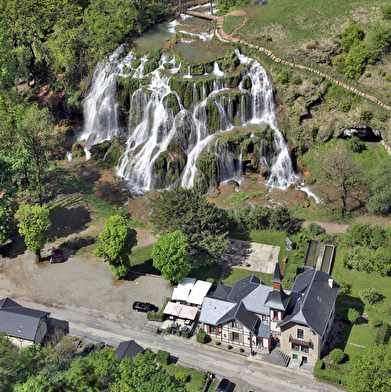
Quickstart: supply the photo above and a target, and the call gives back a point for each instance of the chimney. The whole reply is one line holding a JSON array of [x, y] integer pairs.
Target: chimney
[[331, 282]]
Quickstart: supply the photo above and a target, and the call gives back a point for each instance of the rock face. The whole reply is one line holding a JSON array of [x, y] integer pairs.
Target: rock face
[[362, 132]]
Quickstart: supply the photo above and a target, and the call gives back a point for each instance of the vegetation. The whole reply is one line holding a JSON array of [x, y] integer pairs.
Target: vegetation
[[171, 257], [201, 222], [117, 243], [33, 223]]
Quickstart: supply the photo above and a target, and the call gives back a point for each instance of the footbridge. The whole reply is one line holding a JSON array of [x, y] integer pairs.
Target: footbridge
[[200, 15]]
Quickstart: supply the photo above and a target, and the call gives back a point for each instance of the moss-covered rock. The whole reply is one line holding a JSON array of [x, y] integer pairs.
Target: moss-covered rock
[[210, 165], [172, 103], [98, 151], [78, 150]]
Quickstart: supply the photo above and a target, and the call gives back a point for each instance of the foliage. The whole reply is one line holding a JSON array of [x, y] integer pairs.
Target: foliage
[[33, 223], [386, 11], [201, 222], [372, 371], [370, 295], [162, 357], [171, 256], [117, 243], [337, 167], [201, 336], [225, 5], [337, 355], [314, 229], [353, 315], [379, 188], [355, 144]]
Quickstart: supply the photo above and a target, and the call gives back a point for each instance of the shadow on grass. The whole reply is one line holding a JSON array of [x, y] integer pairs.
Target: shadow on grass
[[66, 221], [14, 247]]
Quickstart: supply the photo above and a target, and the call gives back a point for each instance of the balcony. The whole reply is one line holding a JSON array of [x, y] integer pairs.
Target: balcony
[[301, 342]]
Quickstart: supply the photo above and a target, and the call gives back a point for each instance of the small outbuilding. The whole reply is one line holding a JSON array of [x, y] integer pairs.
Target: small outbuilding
[[128, 349], [24, 326]]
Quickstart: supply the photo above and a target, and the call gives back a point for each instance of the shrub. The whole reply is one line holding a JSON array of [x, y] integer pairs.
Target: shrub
[[386, 12], [182, 376], [168, 329], [153, 316], [345, 288], [314, 229], [344, 106], [353, 316], [376, 322], [284, 77], [366, 115], [337, 355], [162, 357], [318, 368], [218, 343], [355, 144], [185, 334], [229, 347], [201, 336], [241, 349], [383, 334], [369, 295]]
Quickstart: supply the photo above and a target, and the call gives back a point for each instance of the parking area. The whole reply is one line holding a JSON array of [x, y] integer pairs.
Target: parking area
[[83, 283]]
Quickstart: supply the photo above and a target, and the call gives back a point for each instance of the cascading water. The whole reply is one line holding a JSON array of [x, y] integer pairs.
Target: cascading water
[[168, 137]]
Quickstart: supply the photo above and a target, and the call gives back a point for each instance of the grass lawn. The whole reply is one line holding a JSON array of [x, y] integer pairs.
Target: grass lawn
[[195, 378], [141, 260], [232, 22], [238, 273]]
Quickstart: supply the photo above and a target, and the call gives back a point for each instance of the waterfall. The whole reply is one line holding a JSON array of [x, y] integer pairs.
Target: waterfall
[[166, 136], [101, 107]]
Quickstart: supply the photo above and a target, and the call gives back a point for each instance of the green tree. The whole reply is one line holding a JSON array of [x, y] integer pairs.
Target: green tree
[[337, 167], [117, 243], [371, 372], [201, 222], [171, 256], [337, 355], [353, 315], [379, 188], [382, 261], [369, 295], [33, 223], [35, 134]]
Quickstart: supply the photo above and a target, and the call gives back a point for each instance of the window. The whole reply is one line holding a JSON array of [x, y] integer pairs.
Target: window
[[235, 337], [300, 334], [295, 347], [304, 360], [264, 317], [235, 324], [294, 356], [213, 330], [305, 349], [275, 314]]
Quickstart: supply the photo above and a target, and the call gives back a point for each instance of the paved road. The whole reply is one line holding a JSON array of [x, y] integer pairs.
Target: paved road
[[247, 373]]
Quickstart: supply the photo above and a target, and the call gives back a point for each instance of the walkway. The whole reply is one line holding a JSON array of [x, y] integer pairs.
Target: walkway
[[222, 36], [200, 15]]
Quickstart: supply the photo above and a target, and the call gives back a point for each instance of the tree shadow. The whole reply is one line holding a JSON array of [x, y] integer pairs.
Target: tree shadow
[[109, 192], [14, 247], [66, 221]]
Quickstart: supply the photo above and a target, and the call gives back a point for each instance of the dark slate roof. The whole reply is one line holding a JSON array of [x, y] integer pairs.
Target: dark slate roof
[[277, 299], [264, 330], [255, 301], [222, 291], [19, 322], [214, 309], [277, 277], [128, 349], [243, 287], [248, 319], [8, 303], [315, 305]]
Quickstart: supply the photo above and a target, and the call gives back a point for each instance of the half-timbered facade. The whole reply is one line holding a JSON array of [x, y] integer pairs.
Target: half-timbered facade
[[253, 315]]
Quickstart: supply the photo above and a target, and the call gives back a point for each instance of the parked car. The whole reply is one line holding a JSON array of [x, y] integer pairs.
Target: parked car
[[58, 256], [144, 307], [225, 386]]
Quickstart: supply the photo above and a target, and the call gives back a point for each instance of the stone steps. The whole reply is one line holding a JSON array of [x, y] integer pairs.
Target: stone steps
[[276, 357]]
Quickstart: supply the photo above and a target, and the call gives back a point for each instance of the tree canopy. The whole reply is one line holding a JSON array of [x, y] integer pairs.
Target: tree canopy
[[171, 257], [33, 223], [372, 371], [379, 188], [117, 243], [201, 222]]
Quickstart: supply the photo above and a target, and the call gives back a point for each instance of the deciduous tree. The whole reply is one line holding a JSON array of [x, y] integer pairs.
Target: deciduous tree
[[337, 167], [33, 223], [171, 257], [117, 243], [200, 221]]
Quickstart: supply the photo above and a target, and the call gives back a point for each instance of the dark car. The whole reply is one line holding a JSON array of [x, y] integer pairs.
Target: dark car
[[144, 307], [57, 256], [225, 386]]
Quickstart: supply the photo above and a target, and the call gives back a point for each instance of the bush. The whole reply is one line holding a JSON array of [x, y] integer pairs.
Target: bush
[[314, 229], [353, 316], [366, 115], [386, 12], [337, 355], [168, 330], [241, 349], [376, 322], [201, 336], [153, 316], [182, 376], [345, 288], [383, 334], [284, 77], [318, 368], [185, 334], [369, 295], [162, 357], [218, 343], [229, 347], [355, 144], [344, 106]]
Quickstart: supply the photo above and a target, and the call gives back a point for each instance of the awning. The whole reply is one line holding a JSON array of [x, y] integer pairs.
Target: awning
[[173, 308], [198, 292], [181, 293], [188, 312]]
